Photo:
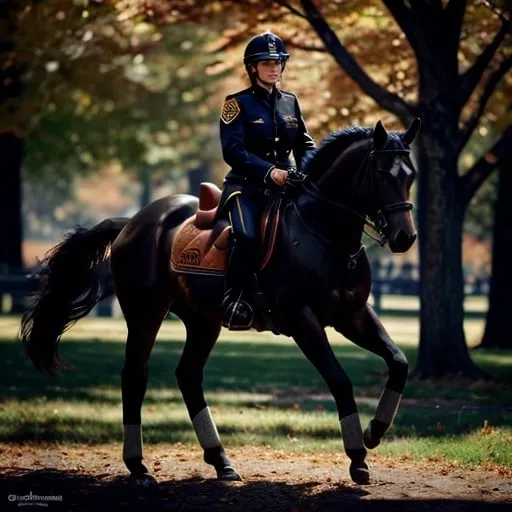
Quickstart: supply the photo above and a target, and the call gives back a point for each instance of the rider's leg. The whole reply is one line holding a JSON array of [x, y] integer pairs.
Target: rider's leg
[[244, 218]]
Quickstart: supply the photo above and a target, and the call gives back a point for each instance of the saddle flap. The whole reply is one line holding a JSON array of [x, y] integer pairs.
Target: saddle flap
[[269, 227], [197, 250]]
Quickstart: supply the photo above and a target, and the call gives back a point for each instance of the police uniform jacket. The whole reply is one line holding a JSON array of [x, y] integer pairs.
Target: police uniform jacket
[[260, 131]]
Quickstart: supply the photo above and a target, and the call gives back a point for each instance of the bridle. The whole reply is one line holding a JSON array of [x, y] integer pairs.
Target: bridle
[[380, 223], [367, 170]]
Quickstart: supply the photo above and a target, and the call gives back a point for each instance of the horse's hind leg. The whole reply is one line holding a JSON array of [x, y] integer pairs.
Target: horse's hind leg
[[144, 310], [312, 340], [366, 330], [202, 333]]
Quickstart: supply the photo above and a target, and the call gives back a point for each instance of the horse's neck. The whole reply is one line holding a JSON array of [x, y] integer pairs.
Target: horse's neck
[[330, 220], [342, 190], [342, 181]]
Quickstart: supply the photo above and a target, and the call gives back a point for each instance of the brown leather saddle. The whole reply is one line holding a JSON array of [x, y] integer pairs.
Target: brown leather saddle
[[201, 245]]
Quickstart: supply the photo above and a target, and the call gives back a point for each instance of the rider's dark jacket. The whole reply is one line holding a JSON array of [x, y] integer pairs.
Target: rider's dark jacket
[[259, 131]]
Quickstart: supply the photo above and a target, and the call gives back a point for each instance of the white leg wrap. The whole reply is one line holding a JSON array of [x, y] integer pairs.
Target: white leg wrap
[[388, 406], [205, 428], [351, 432], [132, 447]]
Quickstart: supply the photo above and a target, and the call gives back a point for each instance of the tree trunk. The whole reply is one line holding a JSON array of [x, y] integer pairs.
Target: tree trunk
[[442, 350], [11, 145], [497, 329], [11, 150]]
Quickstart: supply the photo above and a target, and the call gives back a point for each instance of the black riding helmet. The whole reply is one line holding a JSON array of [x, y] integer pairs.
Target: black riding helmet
[[266, 46]]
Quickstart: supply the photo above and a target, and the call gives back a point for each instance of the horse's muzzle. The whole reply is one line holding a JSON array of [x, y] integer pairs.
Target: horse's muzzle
[[402, 241]]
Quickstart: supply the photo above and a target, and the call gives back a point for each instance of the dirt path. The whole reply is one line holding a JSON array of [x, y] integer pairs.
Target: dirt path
[[93, 479]]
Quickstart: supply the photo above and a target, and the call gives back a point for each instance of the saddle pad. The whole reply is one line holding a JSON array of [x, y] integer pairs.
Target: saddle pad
[[198, 251], [194, 251]]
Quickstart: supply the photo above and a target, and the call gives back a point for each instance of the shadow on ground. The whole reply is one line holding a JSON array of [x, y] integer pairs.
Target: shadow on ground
[[244, 366], [80, 492]]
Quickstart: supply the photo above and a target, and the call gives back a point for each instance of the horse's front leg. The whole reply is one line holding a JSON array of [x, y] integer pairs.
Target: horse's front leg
[[311, 338], [366, 330]]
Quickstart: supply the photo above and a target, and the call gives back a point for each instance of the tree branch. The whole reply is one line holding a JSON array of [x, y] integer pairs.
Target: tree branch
[[455, 10], [471, 181], [402, 15], [470, 79], [384, 98], [292, 9], [489, 88], [497, 11], [454, 17]]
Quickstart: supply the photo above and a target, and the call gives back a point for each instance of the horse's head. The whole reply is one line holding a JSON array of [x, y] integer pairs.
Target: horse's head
[[367, 173], [391, 174]]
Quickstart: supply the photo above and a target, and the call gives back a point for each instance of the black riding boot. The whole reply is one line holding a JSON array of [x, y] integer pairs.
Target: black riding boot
[[237, 313]]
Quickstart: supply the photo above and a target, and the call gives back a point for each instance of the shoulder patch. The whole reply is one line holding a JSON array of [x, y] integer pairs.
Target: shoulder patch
[[230, 110]]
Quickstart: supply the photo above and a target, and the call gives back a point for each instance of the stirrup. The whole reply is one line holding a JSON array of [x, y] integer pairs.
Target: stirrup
[[237, 313]]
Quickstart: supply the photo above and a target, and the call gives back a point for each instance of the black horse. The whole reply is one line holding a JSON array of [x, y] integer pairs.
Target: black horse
[[317, 276]]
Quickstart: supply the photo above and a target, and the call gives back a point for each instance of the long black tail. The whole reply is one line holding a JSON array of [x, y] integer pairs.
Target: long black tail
[[71, 284]]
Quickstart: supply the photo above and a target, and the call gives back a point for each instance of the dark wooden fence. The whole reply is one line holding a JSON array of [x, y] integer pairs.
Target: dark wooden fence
[[16, 287], [388, 280], [392, 279]]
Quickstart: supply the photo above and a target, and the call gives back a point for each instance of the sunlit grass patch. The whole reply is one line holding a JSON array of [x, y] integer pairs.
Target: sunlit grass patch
[[472, 448], [262, 392], [246, 419]]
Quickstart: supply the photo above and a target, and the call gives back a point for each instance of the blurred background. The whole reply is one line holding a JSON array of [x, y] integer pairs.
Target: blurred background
[[106, 105]]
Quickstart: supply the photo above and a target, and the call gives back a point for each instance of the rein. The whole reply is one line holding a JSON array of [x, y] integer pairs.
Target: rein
[[380, 222], [312, 190]]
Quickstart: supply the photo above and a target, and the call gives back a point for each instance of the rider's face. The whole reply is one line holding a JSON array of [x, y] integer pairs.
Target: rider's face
[[269, 71]]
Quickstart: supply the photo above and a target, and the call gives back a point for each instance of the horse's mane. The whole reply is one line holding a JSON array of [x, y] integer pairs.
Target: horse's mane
[[316, 162]]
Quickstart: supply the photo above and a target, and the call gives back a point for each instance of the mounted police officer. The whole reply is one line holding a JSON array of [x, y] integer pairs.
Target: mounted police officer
[[259, 128]]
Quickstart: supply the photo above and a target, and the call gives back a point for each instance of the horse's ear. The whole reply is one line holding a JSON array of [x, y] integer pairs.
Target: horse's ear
[[412, 131], [380, 136]]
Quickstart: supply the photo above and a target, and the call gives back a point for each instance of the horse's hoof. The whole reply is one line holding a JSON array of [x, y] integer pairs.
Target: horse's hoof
[[144, 481], [360, 474], [368, 440], [228, 474]]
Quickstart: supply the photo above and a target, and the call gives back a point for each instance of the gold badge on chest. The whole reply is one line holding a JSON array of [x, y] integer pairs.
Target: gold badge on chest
[[230, 110]]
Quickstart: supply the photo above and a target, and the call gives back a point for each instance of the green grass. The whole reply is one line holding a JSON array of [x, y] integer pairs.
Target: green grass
[[262, 392]]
